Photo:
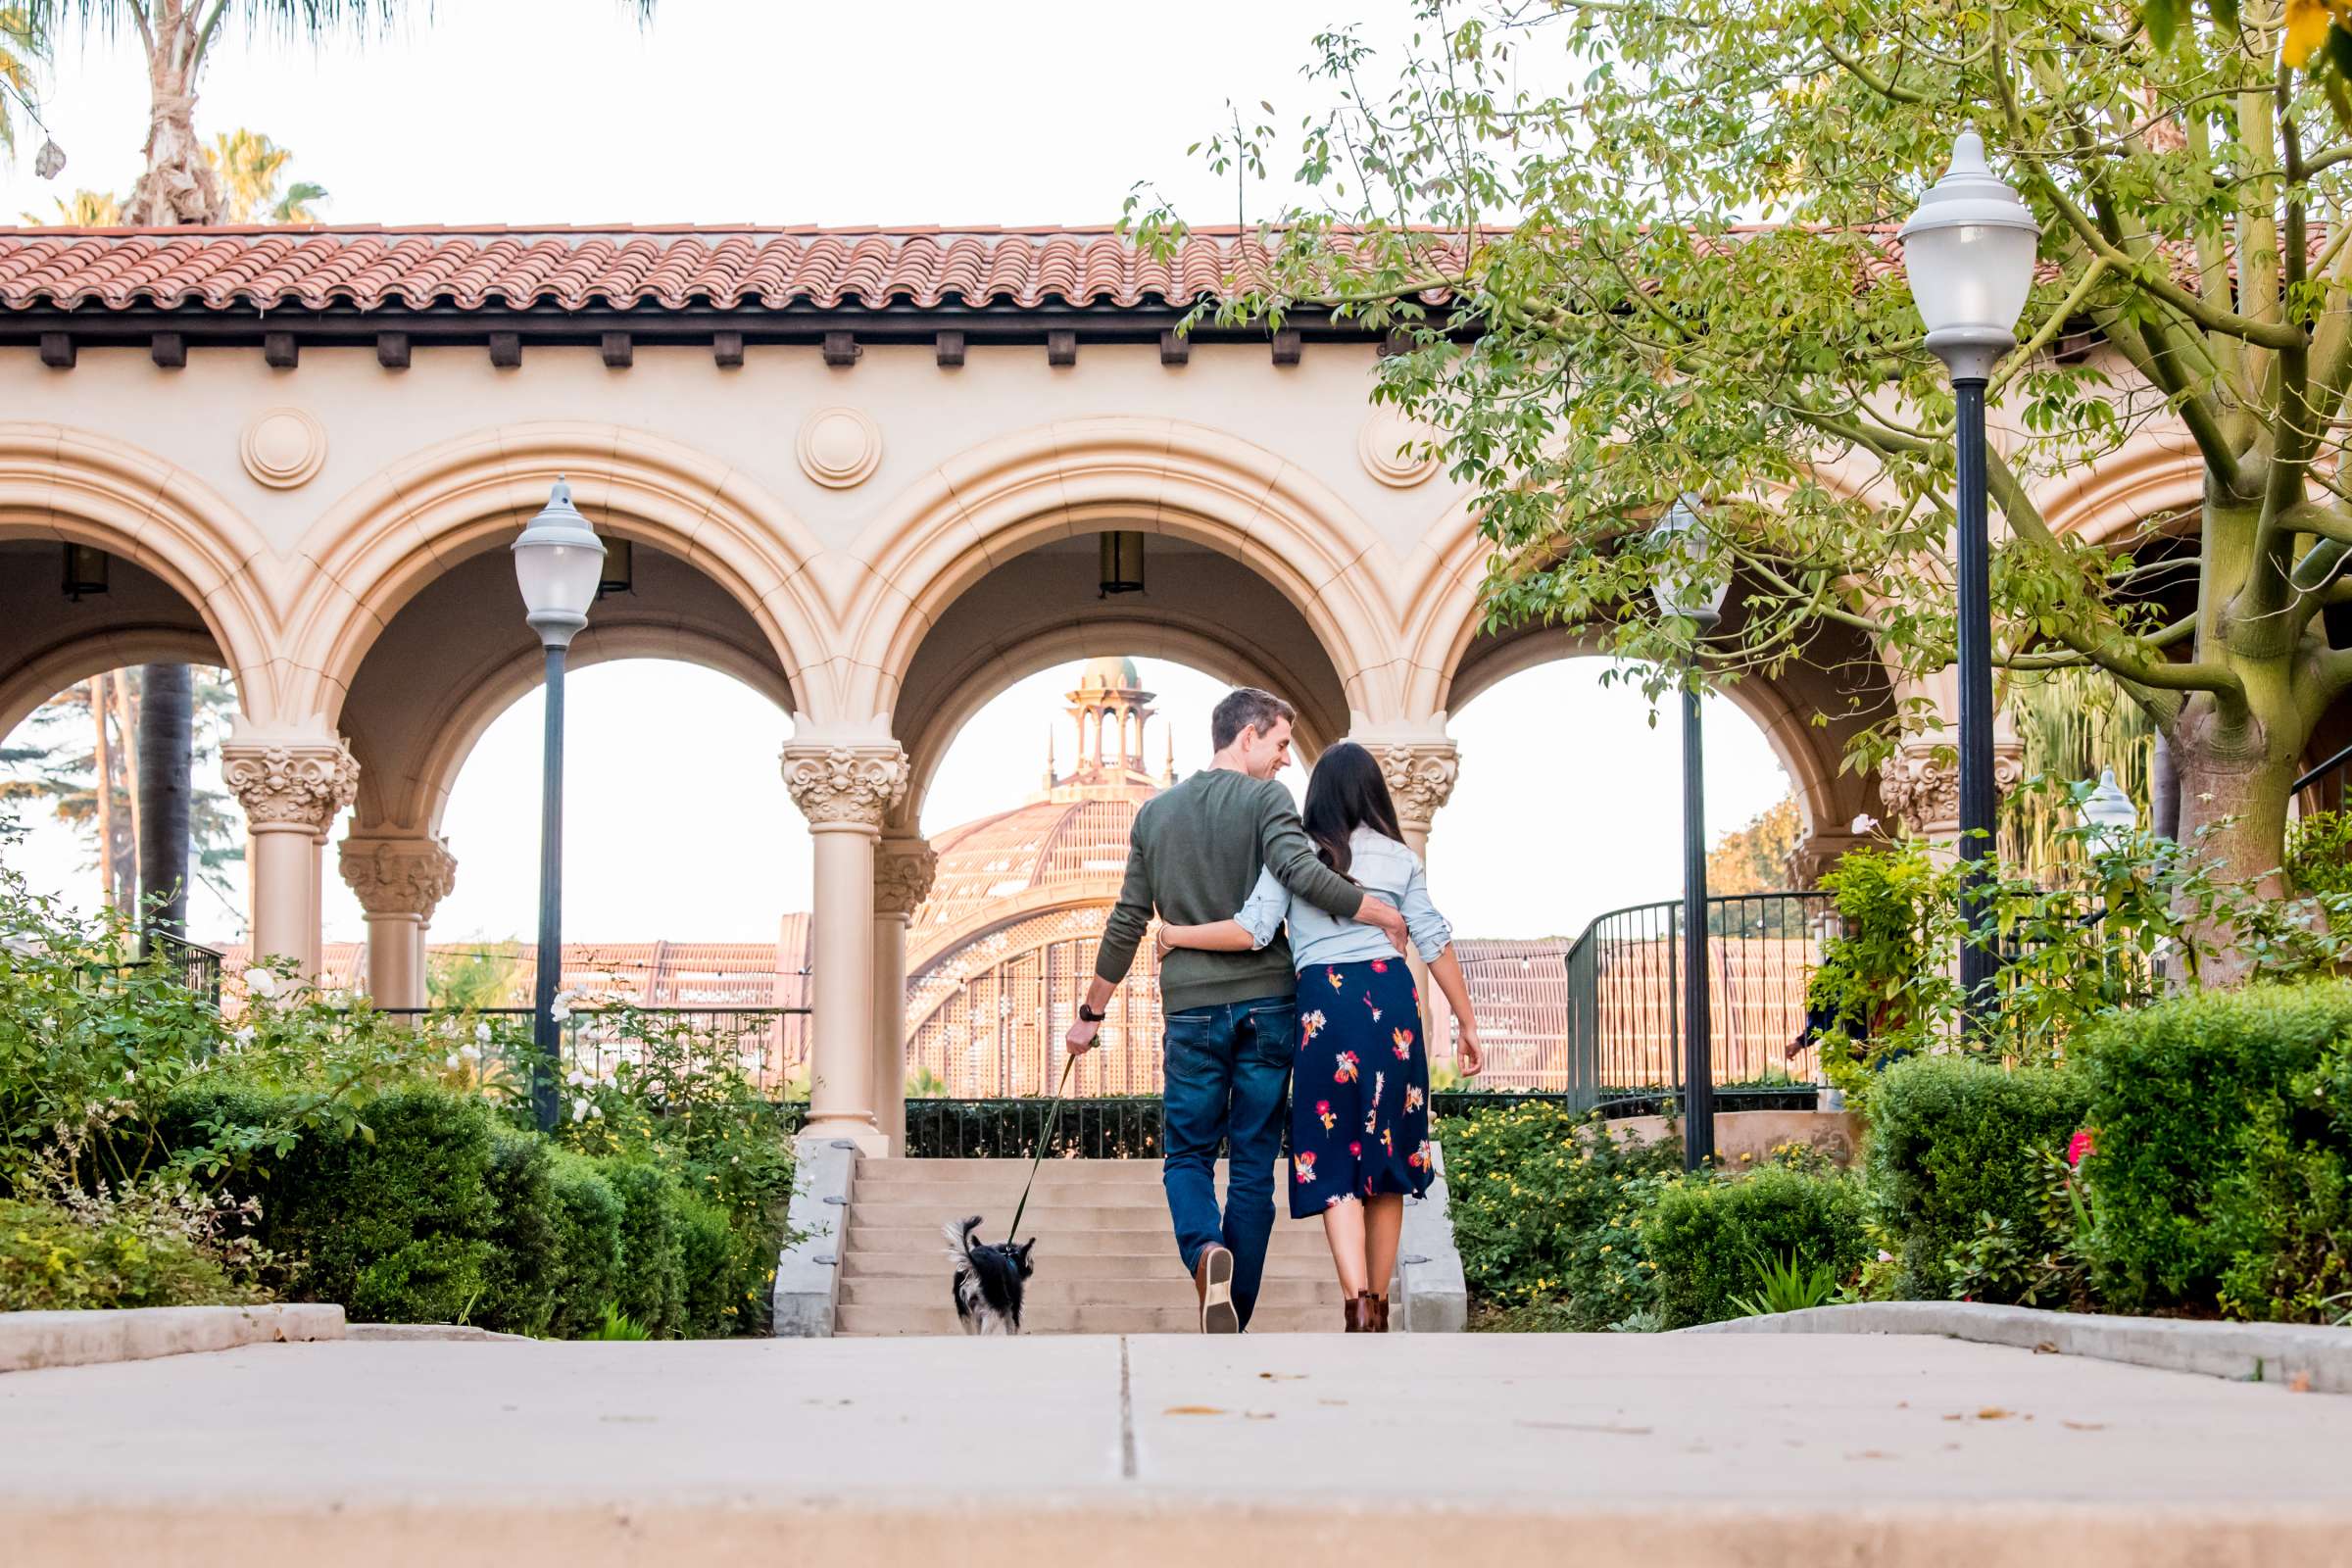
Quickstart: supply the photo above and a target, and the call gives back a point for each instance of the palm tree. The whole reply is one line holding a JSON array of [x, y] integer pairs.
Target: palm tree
[[250, 168], [90, 209], [23, 48], [179, 185]]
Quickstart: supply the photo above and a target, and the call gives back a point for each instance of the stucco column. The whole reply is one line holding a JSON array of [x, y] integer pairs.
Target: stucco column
[[400, 879], [1421, 775], [902, 873], [1921, 783], [846, 791], [291, 783]]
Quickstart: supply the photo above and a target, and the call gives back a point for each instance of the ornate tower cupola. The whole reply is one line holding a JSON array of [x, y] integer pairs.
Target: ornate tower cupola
[[1111, 710]]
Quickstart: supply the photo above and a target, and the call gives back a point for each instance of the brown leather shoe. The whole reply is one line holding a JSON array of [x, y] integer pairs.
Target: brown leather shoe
[[1380, 1313], [1357, 1312], [1213, 1279]]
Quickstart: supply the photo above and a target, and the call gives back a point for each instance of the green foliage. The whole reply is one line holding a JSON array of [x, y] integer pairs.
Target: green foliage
[[2217, 1180], [1878, 981], [526, 1266], [53, 1257], [586, 1213], [614, 1324], [1956, 1144], [2072, 723], [2029, 1265], [1547, 1207], [1755, 859], [1706, 1234], [653, 1283], [1786, 1284], [2318, 852]]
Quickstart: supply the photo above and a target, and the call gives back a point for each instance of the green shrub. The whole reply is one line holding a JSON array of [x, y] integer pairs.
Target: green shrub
[[526, 1264], [2318, 852], [653, 1261], [587, 1216], [2217, 1177], [1547, 1207], [713, 1267], [1706, 1236], [1954, 1141], [53, 1259]]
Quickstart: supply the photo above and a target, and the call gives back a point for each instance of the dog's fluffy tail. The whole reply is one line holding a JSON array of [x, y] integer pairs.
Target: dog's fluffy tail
[[959, 1240]]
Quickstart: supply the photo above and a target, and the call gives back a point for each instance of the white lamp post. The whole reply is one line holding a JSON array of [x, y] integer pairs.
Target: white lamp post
[[1687, 587], [2109, 812], [558, 563], [1969, 253]]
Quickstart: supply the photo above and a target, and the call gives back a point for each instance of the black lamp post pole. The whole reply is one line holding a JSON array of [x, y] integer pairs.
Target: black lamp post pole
[[546, 1035], [1698, 1058], [1978, 948]]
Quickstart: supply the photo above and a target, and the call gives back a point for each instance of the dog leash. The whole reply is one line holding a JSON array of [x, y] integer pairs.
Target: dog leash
[[1052, 1117]]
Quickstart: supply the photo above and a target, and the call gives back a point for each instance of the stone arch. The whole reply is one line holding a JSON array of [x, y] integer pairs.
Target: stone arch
[[67, 484], [417, 801], [66, 663], [985, 506], [396, 531], [2155, 472], [929, 733]]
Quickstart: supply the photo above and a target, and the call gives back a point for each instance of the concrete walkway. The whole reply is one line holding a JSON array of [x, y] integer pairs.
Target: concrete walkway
[[1661, 1450]]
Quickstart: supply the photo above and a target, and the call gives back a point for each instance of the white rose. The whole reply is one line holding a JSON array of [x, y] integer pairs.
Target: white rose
[[558, 1012], [244, 1036], [580, 1110], [482, 1034], [575, 1078], [1866, 823], [261, 982]]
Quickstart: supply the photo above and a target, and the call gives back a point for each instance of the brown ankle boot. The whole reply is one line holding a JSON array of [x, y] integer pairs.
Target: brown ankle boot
[[1357, 1312], [1380, 1314]]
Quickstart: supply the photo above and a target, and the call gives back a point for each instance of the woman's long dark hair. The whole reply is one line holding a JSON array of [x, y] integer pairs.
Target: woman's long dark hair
[[1347, 790]]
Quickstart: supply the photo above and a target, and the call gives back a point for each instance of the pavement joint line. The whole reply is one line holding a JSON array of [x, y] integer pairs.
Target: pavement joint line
[[1127, 1468]]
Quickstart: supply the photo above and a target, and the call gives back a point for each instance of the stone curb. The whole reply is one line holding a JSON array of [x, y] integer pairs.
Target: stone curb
[[809, 1272], [1432, 1297], [416, 1333], [2315, 1359], [30, 1340]]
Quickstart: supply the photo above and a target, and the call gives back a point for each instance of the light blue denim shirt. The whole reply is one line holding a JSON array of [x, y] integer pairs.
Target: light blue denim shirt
[[1386, 869]]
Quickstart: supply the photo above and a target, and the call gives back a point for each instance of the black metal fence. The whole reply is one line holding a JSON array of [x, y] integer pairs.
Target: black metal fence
[[1625, 1000]]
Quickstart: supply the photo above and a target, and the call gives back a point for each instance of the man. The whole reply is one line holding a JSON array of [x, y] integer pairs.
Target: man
[[1193, 855]]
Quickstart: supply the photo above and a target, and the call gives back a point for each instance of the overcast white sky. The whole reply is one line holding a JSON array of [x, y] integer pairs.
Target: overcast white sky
[[564, 111]]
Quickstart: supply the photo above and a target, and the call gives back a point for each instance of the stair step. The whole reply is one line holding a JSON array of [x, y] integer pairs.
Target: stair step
[[1043, 1215], [1306, 1241], [880, 1320], [1158, 1262], [1169, 1292]]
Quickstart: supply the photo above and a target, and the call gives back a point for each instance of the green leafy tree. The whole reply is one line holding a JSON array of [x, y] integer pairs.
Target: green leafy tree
[[88, 209], [1755, 859], [1635, 250], [252, 171], [23, 50]]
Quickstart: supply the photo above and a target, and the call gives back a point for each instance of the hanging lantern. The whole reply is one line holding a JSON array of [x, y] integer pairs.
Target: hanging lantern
[[85, 570], [1122, 564], [620, 569]]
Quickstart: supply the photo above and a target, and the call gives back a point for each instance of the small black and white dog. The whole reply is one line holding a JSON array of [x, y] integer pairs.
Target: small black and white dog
[[987, 1279]]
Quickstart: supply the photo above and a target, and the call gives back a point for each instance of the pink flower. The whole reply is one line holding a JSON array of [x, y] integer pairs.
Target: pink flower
[[2078, 1146]]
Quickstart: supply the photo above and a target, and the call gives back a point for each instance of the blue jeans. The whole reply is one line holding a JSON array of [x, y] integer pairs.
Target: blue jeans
[[1228, 1066]]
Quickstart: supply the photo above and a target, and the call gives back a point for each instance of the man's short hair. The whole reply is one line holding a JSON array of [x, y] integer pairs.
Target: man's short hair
[[1247, 708]]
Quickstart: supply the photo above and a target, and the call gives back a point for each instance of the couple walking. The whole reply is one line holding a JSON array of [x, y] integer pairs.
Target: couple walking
[[1228, 864]]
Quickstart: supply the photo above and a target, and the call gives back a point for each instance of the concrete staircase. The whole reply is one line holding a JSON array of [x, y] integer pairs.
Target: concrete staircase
[[1105, 1259]]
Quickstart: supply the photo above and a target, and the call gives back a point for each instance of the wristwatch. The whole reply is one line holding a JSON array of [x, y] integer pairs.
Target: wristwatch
[[1088, 1013]]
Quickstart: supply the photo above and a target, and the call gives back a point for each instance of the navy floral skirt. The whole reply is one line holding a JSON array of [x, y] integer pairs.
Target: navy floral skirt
[[1360, 1090]]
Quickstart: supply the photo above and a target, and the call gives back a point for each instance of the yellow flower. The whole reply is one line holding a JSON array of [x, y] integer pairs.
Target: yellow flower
[[2306, 30]]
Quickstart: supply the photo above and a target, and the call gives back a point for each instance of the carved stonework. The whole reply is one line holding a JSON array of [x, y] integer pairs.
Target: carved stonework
[[1923, 789], [859, 785], [1421, 776], [399, 876], [902, 875], [1817, 854], [300, 784]]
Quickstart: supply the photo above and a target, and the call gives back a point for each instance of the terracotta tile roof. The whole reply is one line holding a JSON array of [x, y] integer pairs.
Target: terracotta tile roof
[[315, 267]]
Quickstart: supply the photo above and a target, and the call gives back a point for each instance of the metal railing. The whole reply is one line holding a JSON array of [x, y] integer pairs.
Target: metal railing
[[770, 1044], [1625, 1000]]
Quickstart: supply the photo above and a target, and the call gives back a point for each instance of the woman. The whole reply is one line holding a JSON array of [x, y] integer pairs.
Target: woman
[[1359, 1088]]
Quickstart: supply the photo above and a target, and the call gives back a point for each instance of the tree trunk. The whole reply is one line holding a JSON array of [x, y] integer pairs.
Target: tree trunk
[[2233, 805], [102, 793], [167, 761], [179, 185]]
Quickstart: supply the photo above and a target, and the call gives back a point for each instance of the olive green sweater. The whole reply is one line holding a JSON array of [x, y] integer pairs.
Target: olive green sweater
[[1193, 855]]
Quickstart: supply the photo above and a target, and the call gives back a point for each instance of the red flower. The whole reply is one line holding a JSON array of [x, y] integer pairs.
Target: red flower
[[1380, 967], [1355, 1151], [2078, 1146]]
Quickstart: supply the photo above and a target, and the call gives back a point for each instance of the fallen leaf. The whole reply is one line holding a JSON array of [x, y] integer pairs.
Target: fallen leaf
[[1902, 1405], [1956, 1416], [2083, 1426], [2300, 1383], [1284, 1377], [2045, 1348], [1192, 1409], [1871, 1453], [1993, 1412]]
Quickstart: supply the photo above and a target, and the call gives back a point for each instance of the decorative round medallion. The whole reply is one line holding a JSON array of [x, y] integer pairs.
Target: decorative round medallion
[[282, 448], [839, 447], [1389, 448]]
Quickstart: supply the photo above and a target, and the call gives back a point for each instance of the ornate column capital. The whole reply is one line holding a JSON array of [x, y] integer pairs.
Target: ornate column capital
[[1817, 852], [399, 876], [847, 785], [904, 870], [1921, 783], [290, 782], [1420, 775]]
